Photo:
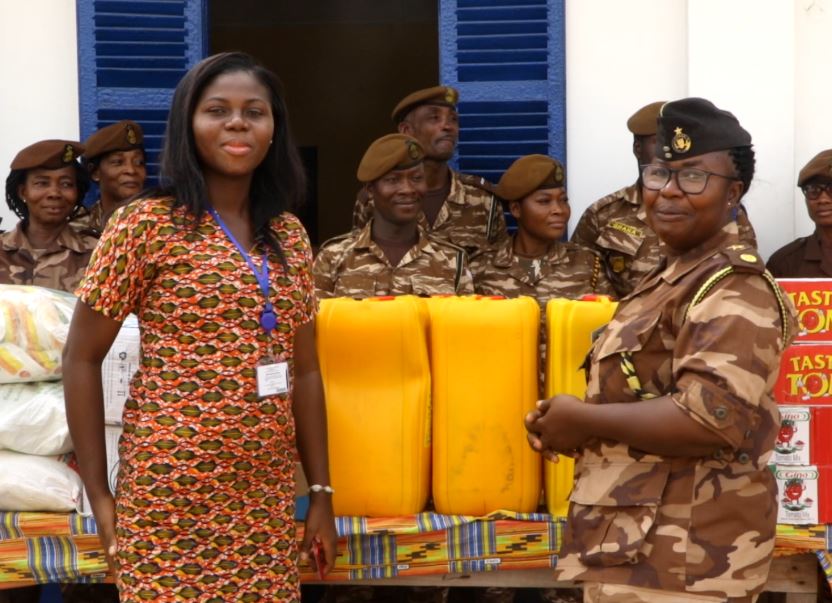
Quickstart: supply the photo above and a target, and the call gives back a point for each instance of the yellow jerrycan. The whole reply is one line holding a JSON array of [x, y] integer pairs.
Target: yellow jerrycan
[[376, 374], [569, 328], [484, 366]]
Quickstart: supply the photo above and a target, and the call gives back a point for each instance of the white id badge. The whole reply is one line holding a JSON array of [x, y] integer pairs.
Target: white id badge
[[272, 379]]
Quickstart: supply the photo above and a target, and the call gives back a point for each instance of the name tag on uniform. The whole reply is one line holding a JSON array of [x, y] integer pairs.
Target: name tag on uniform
[[272, 379]]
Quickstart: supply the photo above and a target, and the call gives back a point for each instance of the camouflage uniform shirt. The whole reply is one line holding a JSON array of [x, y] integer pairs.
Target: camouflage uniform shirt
[[616, 227], [471, 217], [566, 270], [802, 258], [353, 265], [91, 219], [703, 525], [60, 266]]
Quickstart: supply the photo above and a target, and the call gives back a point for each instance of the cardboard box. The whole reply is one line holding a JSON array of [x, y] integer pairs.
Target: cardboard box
[[793, 444], [805, 375], [797, 494], [118, 368], [112, 433], [813, 299], [821, 431]]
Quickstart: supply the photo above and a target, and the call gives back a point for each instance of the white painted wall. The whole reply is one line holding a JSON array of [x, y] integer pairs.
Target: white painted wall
[[39, 78], [763, 60], [612, 69]]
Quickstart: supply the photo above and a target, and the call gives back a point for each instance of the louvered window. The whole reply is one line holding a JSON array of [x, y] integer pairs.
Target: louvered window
[[506, 57], [131, 54]]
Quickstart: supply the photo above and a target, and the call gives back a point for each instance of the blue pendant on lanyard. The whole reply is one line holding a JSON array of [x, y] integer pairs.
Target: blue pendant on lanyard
[[268, 319]]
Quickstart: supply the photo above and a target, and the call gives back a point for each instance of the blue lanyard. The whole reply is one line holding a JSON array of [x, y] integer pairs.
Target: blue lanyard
[[268, 319]]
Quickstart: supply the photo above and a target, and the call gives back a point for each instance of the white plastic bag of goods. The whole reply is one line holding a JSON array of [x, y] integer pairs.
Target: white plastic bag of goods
[[37, 483], [118, 368], [33, 418], [34, 322]]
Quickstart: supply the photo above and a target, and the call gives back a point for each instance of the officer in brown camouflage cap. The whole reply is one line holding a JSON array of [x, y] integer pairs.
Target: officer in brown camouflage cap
[[392, 254], [534, 261], [615, 226], [456, 207], [115, 158], [44, 189], [673, 499], [810, 257]]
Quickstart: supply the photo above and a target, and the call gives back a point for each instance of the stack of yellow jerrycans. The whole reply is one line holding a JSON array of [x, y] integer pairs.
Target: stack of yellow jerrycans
[[428, 396], [570, 326], [374, 363], [484, 360]]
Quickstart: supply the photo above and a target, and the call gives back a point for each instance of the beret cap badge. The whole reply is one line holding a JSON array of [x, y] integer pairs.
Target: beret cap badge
[[69, 154], [451, 96], [413, 150], [681, 142], [131, 135], [558, 174]]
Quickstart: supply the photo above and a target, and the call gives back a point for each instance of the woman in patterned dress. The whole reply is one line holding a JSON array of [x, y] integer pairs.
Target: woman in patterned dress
[[204, 507]]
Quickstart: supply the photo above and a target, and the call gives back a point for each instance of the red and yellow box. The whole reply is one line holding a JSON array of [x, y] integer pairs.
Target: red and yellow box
[[805, 375], [813, 299]]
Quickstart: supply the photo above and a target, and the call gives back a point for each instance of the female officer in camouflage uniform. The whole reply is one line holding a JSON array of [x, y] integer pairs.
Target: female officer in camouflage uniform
[[44, 189], [534, 261], [673, 500]]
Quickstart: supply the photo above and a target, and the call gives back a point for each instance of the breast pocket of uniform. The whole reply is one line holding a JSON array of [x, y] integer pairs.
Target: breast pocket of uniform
[[614, 508], [426, 285], [618, 242]]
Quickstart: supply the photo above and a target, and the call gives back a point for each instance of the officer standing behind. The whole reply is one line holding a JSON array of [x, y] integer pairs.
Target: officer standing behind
[[115, 159], [44, 189], [810, 257], [534, 261], [616, 225], [457, 207], [391, 254]]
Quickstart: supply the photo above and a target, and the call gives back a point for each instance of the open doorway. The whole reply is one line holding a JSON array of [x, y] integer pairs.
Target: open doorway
[[345, 64]]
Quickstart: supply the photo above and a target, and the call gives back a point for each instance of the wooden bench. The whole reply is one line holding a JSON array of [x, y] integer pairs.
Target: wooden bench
[[795, 576]]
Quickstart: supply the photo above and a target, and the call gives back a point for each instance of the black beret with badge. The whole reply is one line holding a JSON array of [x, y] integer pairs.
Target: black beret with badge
[[695, 126], [47, 154], [390, 152], [121, 136], [444, 96], [819, 166], [528, 174]]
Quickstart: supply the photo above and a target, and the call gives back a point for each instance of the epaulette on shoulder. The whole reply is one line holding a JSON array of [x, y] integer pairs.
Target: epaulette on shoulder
[[478, 182], [744, 258]]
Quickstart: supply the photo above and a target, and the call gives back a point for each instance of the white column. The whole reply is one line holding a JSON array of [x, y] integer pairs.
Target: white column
[[39, 75], [741, 57], [619, 57], [813, 93]]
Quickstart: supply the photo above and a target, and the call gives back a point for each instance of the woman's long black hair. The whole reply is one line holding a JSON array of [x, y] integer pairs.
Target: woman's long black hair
[[16, 178], [278, 183]]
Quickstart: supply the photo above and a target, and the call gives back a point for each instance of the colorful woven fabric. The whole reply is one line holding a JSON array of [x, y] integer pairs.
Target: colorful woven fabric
[[57, 547]]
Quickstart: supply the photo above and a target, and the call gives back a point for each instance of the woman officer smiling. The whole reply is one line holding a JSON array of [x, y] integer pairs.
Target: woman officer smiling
[[673, 500]]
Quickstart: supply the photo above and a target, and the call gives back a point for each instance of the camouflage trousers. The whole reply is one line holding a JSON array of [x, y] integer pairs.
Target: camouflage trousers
[[597, 592]]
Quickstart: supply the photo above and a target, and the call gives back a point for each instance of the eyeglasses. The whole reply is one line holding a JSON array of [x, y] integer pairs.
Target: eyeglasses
[[691, 180], [814, 191]]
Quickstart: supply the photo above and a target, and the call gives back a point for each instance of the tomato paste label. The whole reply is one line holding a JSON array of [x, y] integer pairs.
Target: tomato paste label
[[813, 299], [797, 494], [792, 444], [805, 375]]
